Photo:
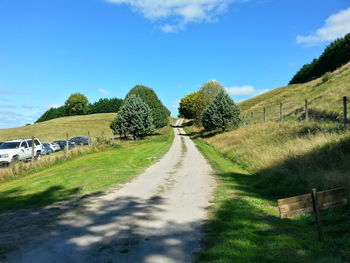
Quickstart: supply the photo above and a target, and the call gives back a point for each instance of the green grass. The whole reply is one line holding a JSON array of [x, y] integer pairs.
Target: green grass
[[244, 225], [325, 99], [57, 129], [86, 174]]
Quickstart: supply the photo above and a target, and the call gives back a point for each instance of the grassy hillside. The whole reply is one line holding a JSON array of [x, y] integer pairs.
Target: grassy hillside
[[324, 97], [57, 129]]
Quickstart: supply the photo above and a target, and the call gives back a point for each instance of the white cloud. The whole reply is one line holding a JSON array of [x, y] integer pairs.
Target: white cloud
[[336, 26], [102, 91], [241, 90], [181, 12], [10, 119]]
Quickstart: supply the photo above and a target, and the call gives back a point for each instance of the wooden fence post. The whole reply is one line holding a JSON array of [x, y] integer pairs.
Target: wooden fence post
[[306, 111], [264, 114], [345, 111], [281, 112], [67, 145], [317, 215], [89, 138], [33, 149]]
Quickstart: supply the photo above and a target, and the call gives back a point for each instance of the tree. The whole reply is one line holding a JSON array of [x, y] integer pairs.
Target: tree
[[212, 88], [105, 106], [53, 113], [192, 106], [334, 56], [221, 113], [160, 113], [135, 118], [76, 104]]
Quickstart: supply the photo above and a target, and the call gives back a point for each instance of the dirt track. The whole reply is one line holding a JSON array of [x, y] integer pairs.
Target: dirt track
[[155, 218]]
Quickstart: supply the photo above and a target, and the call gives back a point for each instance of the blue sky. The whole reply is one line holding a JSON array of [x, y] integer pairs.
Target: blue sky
[[102, 48]]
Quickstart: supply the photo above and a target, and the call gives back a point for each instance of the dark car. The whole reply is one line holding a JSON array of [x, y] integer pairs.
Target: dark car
[[63, 144], [46, 149], [1, 143], [80, 140]]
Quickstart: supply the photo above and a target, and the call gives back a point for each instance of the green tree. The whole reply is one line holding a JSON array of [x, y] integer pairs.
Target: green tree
[[135, 118], [76, 104], [212, 88], [105, 106], [334, 56], [192, 106], [53, 113], [221, 113], [160, 113]]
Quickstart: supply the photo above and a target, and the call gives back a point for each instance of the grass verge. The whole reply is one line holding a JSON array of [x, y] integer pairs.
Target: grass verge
[[244, 225], [85, 174]]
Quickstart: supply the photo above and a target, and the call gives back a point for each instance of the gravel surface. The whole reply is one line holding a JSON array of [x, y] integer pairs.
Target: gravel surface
[[157, 217]]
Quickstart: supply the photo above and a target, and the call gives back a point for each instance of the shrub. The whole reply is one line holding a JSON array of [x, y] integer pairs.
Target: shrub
[[326, 77], [221, 113], [135, 118]]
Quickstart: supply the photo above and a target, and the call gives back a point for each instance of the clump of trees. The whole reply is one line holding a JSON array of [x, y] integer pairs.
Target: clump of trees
[[334, 56], [210, 107], [105, 106], [221, 113], [160, 113], [78, 104], [134, 118]]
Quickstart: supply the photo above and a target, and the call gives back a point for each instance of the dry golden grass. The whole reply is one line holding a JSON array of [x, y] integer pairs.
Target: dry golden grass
[[301, 154], [322, 96], [57, 129]]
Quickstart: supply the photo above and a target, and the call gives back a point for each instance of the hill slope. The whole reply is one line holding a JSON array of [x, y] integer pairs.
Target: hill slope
[[57, 129], [324, 97]]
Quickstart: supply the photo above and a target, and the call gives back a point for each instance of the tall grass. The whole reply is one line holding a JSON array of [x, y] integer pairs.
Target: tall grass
[[289, 158]]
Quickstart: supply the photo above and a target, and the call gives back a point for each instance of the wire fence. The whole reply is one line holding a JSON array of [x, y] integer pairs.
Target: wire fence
[[303, 111]]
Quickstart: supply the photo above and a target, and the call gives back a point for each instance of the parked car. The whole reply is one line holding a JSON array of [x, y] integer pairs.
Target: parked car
[[80, 140], [19, 150], [1, 143], [54, 146], [46, 148], [63, 143]]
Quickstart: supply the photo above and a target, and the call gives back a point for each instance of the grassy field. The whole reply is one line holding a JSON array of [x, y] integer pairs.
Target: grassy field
[[325, 98], [57, 129], [244, 225], [86, 174]]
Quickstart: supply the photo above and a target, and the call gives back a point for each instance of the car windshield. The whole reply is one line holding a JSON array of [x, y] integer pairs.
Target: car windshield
[[9, 145]]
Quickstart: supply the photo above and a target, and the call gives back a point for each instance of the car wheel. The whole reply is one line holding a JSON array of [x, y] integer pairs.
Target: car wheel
[[14, 160], [38, 156]]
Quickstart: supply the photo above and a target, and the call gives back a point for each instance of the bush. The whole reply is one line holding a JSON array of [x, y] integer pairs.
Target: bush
[[221, 113], [326, 77], [160, 114], [134, 118]]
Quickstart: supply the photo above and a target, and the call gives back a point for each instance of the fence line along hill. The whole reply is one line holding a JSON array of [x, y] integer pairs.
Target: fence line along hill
[[324, 95]]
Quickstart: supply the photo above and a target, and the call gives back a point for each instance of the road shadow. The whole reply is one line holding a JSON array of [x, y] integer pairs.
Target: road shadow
[[80, 231]]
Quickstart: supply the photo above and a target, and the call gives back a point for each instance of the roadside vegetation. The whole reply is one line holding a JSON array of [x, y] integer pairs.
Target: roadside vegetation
[[85, 173], [244, 225]]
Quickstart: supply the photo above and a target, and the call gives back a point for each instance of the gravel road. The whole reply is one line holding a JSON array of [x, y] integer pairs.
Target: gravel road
[[156, 218]]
